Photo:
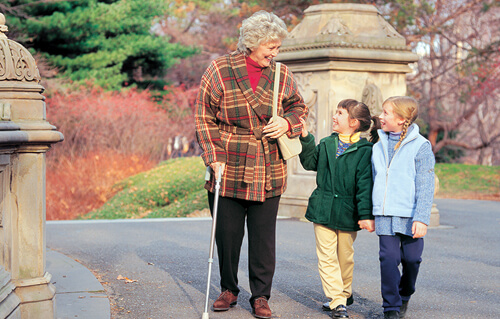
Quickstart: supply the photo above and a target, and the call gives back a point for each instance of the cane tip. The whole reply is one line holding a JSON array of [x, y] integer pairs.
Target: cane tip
[[205, 315]]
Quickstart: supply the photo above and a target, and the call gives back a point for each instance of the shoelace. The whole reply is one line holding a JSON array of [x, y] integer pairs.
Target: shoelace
[[261, 302], [226, 294]]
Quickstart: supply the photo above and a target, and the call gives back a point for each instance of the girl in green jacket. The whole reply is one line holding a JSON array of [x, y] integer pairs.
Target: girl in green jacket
[[341, 204]]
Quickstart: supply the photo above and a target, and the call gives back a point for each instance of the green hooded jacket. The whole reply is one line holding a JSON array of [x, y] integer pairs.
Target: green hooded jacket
[[343, 195]]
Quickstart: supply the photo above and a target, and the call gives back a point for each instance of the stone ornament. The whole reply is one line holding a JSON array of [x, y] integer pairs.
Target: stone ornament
[[5, 111], [372, 97], [16, 63], [336, 26], [389, 29], [310, 97], [344, 26]]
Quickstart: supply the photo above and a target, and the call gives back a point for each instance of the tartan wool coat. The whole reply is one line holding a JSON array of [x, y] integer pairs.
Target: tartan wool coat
[[229, 121]]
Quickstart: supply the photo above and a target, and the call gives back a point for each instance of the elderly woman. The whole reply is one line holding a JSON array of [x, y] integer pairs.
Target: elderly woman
[[237, 135]]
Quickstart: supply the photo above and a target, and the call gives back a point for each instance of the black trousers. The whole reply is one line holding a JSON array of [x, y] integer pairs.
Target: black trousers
[[230, 230]]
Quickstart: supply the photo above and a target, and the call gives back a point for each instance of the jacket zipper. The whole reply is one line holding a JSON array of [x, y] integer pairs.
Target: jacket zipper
[[388, 166]]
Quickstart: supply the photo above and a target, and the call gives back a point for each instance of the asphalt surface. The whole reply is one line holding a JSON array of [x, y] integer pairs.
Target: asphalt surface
[[166, 262]]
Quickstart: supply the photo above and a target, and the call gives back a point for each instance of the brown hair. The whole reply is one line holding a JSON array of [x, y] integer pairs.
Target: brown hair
[[359, 111], [406, 108]]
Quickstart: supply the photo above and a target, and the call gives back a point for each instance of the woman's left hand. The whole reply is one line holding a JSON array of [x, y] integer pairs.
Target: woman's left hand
[[275, 129]]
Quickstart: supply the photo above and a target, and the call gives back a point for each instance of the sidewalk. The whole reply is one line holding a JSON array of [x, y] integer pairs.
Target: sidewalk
[[459, 276], [78, 293]]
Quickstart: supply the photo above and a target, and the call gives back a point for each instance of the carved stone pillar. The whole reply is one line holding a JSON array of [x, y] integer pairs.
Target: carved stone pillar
[[25, 136], [340, 51]]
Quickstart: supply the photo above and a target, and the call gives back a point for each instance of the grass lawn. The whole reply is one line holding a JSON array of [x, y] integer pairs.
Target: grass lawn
[[175, 189], [468, 181]]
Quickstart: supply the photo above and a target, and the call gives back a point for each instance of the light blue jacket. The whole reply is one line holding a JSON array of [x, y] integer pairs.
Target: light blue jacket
[[394, 182]]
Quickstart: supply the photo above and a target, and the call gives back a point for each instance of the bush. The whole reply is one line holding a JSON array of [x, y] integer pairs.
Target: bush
[[172, 189], [78, 185], [110, 136], [128, 121]]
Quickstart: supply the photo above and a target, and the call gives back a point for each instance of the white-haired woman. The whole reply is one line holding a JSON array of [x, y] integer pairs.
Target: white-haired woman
[[237, 135]]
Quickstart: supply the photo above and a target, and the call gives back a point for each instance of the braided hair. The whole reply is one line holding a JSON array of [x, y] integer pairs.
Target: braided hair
[[407, 108]]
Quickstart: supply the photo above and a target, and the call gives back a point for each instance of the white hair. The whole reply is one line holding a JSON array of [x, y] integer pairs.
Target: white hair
[[261, 27]]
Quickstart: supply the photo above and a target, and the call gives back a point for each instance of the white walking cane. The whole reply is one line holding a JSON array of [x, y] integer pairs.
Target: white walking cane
[[212, 236]]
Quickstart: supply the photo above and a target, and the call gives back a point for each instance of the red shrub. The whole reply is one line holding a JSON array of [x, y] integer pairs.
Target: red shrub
[[129, 121], [78, 185]]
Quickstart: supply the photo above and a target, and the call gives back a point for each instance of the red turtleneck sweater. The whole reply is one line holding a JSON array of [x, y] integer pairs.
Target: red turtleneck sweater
[[254, 72]]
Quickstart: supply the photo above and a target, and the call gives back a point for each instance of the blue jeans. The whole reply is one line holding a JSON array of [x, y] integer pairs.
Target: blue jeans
[[395, 250]]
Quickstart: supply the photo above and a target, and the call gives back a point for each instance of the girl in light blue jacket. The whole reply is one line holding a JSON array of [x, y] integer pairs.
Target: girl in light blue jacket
[[403, 191]]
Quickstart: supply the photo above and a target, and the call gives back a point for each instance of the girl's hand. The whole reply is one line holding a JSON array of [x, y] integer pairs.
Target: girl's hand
[[304, 127], [275, 128], [418, 229], [368, 224]]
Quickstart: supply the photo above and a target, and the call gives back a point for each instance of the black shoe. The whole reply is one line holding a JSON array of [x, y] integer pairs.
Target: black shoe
[[402, 309], [326, 305], [393, 314], [350, 300], [340, 312]]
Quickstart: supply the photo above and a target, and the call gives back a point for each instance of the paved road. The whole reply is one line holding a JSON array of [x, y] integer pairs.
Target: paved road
[[459, 278]]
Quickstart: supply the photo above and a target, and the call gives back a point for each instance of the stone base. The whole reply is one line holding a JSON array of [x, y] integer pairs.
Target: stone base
[[434, 216], [9, 305], [292, 207], [37, 297]]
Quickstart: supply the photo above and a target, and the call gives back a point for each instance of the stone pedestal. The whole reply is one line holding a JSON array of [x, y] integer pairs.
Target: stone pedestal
[[434, 210], [25, 136], [340, 51]]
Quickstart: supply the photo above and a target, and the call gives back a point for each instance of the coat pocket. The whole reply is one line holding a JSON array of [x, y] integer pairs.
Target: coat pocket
[[319, 208], [348, 216]]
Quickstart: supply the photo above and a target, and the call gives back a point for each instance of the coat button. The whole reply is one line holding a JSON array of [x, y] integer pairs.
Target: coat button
[[335, 195]]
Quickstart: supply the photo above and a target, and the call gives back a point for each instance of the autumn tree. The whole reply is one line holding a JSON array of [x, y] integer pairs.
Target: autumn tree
[[457, 77], [212, 25]]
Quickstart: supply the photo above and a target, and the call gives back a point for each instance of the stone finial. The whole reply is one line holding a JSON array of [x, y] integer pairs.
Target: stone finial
[[3, 27], [16, 62]]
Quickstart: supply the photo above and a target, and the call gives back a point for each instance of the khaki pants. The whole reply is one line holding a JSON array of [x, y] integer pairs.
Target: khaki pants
[[335, 262]]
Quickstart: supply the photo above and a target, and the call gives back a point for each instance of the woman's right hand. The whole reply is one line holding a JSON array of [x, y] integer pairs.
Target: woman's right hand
[[216, 166], [304, 127]]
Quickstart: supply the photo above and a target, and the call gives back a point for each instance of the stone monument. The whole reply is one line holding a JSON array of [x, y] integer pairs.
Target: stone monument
[[340, 51], [25, 136]]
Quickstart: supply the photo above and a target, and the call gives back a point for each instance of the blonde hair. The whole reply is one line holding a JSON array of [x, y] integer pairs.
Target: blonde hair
[[261, 27], [406, 108]]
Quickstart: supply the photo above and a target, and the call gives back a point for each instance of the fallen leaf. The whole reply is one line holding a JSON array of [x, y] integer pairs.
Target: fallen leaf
[[127, 280]]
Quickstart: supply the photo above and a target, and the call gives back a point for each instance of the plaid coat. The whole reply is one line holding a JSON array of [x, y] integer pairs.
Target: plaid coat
[[229, 122]]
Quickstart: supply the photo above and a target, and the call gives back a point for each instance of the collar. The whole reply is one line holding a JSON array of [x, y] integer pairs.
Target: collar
[[348, 138], [412, 133], [251, 64]]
